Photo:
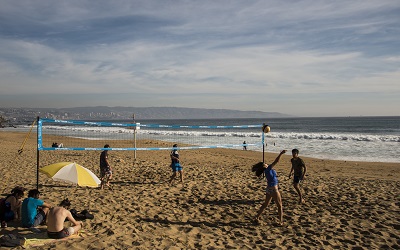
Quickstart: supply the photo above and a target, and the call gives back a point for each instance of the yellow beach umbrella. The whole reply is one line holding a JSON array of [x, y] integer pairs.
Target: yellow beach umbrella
[[71, 172]]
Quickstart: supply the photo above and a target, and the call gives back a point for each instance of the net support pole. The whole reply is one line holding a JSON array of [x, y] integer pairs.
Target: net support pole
[[37, 154], [134, 136], [134, 142], [263, 142]]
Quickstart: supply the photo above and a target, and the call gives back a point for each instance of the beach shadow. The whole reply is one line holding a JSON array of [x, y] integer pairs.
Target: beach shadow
[[15, 227], [55, 186], [216, 224], [127, 183], [120, 183], [72, 154], [229, 202]]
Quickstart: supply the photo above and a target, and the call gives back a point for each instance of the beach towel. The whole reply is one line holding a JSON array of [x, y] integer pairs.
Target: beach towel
[[34, 240]]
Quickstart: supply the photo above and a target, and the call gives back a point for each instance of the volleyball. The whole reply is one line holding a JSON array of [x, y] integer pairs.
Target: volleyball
[[266, 129]]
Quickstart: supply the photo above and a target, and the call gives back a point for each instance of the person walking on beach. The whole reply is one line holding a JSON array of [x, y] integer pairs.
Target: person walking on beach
[[244, 145], [299, 170], [34, 210], [105, 168], [272, 191], [56, 219], [175, 164]]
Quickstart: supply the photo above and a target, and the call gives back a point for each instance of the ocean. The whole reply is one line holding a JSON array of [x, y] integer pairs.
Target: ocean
[[372, 139]]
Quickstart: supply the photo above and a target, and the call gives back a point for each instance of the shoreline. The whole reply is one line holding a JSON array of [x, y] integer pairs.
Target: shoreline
[[348, 204], [276, 148]]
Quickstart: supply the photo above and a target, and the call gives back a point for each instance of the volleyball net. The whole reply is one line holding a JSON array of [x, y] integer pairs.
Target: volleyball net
[[90, 135]]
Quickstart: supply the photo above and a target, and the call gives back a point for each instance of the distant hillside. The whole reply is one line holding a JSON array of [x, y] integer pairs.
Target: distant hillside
[[15, 116], [172, 112]]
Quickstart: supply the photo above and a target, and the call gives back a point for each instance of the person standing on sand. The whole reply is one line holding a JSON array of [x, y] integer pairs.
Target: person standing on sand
[[299, 168], [272, 191], [105, 169], [56, 218], [175, 164]]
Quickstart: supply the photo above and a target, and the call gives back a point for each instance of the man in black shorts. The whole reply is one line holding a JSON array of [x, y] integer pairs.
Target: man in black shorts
[[105, 169], [299, 168], [56, 218]]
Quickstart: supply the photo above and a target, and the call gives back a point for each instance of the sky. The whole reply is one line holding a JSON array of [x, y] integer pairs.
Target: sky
[[302, 58]]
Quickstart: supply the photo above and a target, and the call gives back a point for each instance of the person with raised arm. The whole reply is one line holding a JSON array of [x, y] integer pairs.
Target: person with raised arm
[[272, 191]]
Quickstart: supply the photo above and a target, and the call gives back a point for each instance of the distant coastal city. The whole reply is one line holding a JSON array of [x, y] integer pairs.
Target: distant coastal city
[[22, 116], [18, 116]]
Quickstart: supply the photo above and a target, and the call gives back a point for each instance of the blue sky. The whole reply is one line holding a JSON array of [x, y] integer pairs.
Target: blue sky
[[305, 58]]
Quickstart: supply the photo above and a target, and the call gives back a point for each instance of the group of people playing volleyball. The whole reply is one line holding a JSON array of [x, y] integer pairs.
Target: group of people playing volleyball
[[272, 192], [106, 170]]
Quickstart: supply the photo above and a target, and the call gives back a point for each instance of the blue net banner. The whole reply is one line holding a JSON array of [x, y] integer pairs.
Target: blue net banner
[[113, 124], [256, 136], [72, 122]]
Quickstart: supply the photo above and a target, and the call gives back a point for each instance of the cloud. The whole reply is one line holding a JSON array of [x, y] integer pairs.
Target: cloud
[[202, 54]]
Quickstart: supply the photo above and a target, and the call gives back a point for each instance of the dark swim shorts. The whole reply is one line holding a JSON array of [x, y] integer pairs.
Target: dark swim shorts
[[62, 234], [297, 179]]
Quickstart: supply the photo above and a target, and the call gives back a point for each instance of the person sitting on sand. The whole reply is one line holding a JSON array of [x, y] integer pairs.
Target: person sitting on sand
[[272, 191], [11, 207], [56, 145], [175, 164], [299, 168], [56, 218], [34, 210], [105, 169]]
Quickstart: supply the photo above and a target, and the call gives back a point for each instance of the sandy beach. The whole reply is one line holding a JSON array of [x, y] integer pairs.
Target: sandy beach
[[349, 205]]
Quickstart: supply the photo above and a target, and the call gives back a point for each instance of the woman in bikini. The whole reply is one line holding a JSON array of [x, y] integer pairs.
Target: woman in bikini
[[272, 191]]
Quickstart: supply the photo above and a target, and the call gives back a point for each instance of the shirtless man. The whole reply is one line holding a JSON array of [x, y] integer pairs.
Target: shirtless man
[[55, 221], [299, 170], [105, 169]]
